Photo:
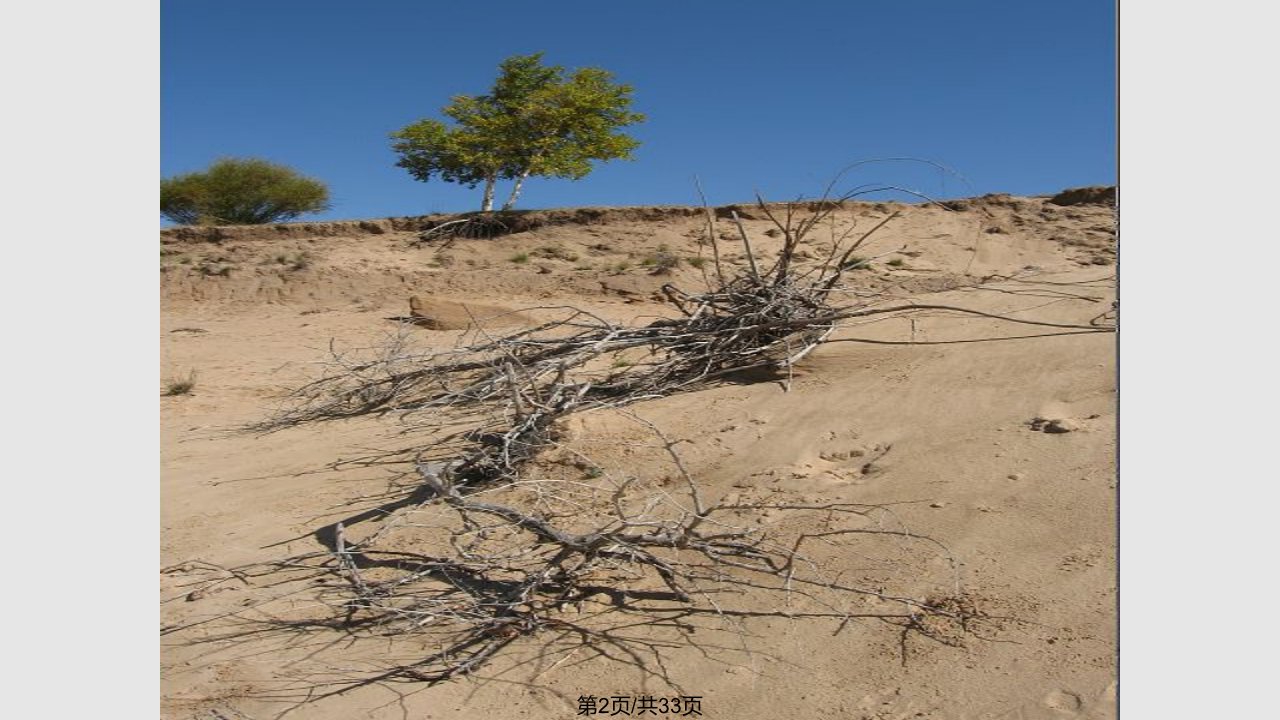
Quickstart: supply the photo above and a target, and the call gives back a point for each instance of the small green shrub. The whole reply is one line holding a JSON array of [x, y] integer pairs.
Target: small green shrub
[[696, 262], [241, 192], [897, 262], [520, 258]]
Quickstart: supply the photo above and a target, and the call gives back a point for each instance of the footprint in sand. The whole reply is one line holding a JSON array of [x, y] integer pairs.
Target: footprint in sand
[[840, 456], [864, 457], [1063, 700]]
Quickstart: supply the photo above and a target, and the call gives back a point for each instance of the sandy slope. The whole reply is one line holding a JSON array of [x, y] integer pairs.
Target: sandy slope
[[1029, 514]]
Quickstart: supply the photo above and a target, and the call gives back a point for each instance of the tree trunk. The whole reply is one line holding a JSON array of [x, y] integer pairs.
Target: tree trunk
[[487, 204], [515, 191]]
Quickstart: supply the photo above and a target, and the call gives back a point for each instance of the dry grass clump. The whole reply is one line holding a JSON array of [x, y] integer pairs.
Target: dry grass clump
[[555, 252], [294, 261], [662, 261], [180, 386]]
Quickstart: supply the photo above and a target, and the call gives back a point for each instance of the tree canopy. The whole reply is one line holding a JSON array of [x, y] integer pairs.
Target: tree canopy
[[537, 120], [240, 192]]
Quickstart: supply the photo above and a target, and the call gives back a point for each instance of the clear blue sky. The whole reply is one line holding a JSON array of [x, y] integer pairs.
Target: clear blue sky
[[1017, 96]]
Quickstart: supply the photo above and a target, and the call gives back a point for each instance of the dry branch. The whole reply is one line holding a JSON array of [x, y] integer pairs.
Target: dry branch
[[522, 560], [485, 552]]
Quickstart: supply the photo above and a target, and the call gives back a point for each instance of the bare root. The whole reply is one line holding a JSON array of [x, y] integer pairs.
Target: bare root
[[490, 549]]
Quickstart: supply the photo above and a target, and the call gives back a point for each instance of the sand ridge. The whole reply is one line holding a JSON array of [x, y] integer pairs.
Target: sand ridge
[[1030, 514]]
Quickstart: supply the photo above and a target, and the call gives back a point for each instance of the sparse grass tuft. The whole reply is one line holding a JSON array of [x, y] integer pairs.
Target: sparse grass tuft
[[180, 386], [857, 262], [696, 262], [215, 266], [520, 258], [897, 262], [294, 261], [555, 252], [661, 262]]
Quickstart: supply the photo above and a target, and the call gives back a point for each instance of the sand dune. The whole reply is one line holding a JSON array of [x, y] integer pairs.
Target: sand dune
[[1003, 449]]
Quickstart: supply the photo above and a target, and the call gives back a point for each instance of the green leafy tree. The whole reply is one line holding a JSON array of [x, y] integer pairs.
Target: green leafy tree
[[240, 192], [536, 121]]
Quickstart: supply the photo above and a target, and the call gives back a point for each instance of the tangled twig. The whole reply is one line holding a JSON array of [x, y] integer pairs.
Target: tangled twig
[[485, 551]]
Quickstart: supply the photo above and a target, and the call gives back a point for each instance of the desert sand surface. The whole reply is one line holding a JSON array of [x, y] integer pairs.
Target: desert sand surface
[[1003, 450]]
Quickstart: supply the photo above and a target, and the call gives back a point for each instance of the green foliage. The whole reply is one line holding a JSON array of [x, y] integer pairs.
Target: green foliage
[[520, 258], [240, 192], [430, 148], [536, 121], [897, 262]]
